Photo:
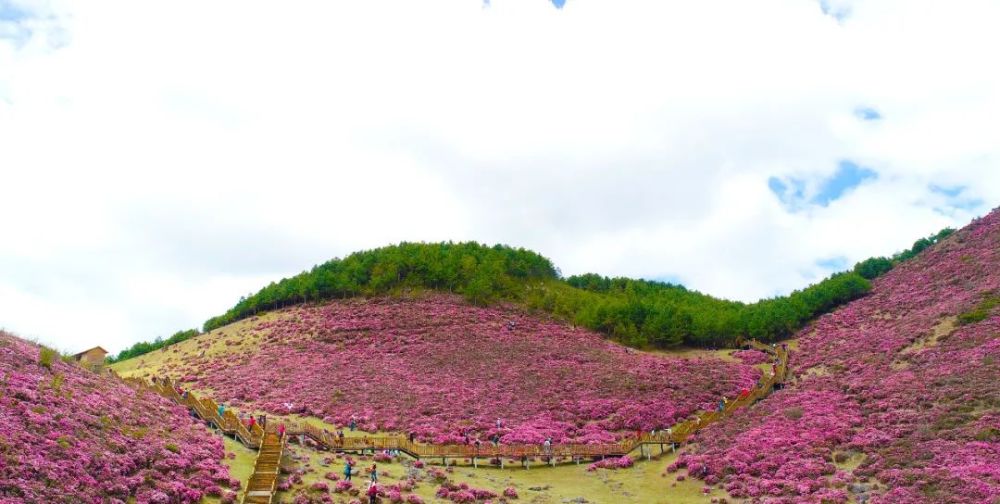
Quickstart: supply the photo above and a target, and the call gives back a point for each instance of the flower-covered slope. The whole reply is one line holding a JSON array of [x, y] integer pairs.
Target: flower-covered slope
[[69, 435], [905, 382], [439, 368]]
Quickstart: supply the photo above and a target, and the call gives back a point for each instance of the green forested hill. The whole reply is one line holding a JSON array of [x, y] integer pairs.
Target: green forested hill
[[638, 313]]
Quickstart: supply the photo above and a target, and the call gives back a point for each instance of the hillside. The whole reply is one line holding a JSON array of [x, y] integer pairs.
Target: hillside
[[70, 435], [634, 312], [897, 398], [440, 367]]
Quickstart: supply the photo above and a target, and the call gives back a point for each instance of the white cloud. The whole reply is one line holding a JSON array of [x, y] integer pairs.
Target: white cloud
[[159, 159]]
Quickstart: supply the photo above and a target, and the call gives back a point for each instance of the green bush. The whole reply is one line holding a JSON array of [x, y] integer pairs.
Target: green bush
[[794, 413], [46, 356], [981, 311], [874, 267]]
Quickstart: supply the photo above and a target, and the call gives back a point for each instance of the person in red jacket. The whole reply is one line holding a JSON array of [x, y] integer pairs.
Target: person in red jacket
[[281, 430], [372, 493]]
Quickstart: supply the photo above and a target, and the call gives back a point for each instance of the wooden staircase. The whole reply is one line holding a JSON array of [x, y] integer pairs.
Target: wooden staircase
[[261, 486]]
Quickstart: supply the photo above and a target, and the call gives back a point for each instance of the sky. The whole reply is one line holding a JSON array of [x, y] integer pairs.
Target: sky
[[160, 159]]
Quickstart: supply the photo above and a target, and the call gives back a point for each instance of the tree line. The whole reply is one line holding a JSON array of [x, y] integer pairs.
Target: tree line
[[144, 347], [639, 313], [875, 267]]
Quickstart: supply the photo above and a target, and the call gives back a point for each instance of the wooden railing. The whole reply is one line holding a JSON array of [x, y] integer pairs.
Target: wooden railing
[[260, 487]]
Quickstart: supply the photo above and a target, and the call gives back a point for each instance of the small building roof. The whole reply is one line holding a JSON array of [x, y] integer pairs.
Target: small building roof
[[77, 356]]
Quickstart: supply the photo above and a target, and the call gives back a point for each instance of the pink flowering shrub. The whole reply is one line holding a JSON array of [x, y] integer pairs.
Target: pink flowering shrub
[[463, 492], [612, 463], [894, 379], [752, 357], [68, 431], [432, 365]]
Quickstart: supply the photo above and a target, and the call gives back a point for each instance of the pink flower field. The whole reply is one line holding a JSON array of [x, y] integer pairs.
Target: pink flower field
[[68, 435], [892, 382], [440, 368]]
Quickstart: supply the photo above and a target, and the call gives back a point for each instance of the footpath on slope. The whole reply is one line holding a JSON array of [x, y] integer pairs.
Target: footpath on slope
[[262, 484]]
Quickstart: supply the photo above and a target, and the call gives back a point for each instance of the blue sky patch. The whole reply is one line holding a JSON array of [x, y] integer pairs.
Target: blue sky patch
[[849, 175], [867, 114], [955, 198], [791, 191], [669, 278], [950, 192], [8, 12], [837, 12], [559, 3], [838, 263]]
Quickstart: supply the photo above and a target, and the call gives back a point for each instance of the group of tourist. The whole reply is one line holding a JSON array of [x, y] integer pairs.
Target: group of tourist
[[372, 491]]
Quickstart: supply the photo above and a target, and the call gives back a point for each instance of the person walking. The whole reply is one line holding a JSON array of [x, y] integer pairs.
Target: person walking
[[347, 471], [547, 445], [372, 493], [281, 430], [374, 473], [354, 424]]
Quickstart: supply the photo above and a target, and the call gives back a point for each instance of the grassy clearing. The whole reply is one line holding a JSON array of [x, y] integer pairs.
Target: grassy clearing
[[240, 467], [644, 482], [696, 353], [211, 343]]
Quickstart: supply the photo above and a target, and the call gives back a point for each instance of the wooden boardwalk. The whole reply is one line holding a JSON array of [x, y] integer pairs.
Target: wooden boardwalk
[[261, 486]]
